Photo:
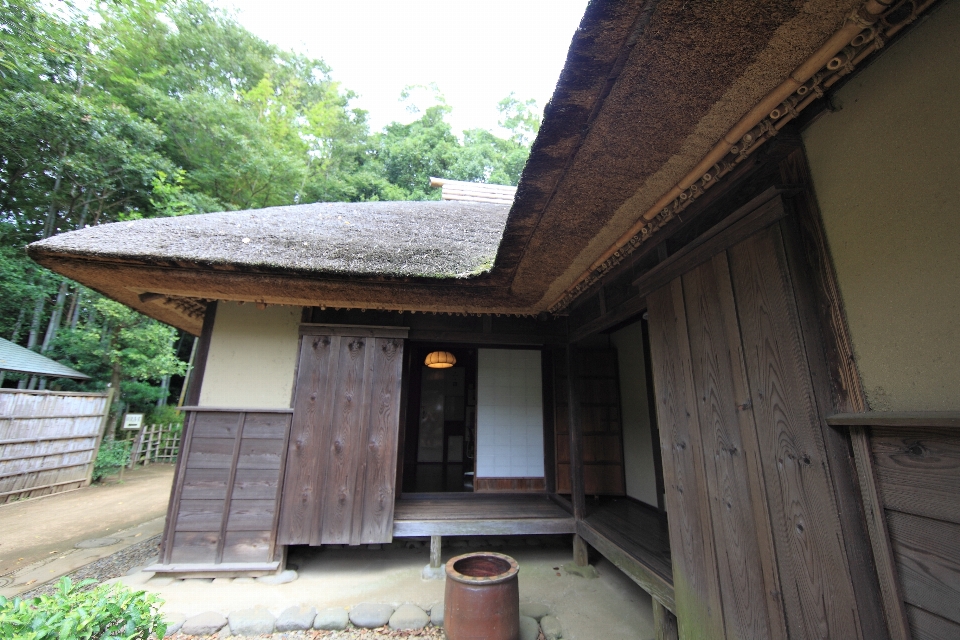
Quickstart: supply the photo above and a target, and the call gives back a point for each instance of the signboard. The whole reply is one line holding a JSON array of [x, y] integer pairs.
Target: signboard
[[133, 421]]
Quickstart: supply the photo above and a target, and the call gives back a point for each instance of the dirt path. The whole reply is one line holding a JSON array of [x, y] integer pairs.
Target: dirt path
[[34, 529]]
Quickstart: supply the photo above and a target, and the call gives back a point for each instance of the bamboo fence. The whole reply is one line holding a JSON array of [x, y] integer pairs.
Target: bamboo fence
[[48, 440], [156, 443]]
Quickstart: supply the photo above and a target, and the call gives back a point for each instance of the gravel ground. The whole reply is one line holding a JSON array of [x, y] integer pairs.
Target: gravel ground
[[113, 566]]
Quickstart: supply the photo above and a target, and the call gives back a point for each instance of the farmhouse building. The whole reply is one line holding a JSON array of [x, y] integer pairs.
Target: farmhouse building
[[715, 335]]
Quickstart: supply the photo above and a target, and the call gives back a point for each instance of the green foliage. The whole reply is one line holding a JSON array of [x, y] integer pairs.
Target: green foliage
[[73, 613], [170, 107], [165, 415], [112, 455]]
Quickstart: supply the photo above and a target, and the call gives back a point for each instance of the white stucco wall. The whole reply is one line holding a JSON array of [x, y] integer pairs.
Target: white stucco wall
[[886, 170], [252, 358]]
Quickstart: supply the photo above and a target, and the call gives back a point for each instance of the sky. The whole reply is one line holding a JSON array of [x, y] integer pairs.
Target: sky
[[476, 52]]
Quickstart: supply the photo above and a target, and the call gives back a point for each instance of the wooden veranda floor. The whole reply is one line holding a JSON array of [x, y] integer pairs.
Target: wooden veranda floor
[[636, 539], [478, 514]]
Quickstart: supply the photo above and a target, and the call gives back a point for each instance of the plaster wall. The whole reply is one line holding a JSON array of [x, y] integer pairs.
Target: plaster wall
[[252, 358], [886, 170], [635, 414]]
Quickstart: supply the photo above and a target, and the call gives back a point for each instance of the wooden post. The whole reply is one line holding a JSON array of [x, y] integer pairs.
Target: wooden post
[[664, 622], [435, 552], [576, 452], [576, 434], [580, 551], [103, 427]]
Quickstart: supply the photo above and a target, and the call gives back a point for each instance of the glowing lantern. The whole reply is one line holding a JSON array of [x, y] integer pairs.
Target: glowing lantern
[[440, 360]]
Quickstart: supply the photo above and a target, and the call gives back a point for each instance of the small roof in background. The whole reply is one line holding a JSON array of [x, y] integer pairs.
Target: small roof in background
[[474, 191], [13, 357]]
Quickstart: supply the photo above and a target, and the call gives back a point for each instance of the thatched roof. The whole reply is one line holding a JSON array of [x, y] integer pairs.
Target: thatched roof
[[657, 102], [398, 239]]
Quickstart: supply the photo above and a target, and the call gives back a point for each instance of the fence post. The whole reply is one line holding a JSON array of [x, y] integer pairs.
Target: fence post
[[135, 449], [103, 426]]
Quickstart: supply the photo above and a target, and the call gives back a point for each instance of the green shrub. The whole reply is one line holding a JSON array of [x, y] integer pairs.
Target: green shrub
[[112, 455], [166, 414], [108, 612]]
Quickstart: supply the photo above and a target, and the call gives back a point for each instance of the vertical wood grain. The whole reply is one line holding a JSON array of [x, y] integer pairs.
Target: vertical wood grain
[[341, 458], [896, 614], [374, 516], [695, 580], [664, 623], [814, 574], [746, 566], [301, 500], [173, 508]]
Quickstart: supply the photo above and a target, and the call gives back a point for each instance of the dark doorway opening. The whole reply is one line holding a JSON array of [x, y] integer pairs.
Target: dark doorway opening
[[441, 423]]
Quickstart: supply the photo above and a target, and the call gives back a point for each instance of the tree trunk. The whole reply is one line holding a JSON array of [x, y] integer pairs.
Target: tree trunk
[[52, 210], [165, 389], [35, 323], [54, 325], [15, 334], [75, 312]]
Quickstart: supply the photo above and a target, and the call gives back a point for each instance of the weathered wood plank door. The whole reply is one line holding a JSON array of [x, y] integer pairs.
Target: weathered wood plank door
[[756, 533], [340, 481]]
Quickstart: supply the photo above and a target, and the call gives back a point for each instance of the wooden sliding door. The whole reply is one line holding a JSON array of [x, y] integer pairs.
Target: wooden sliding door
[[599, 384], [340, 481], [756, 533]]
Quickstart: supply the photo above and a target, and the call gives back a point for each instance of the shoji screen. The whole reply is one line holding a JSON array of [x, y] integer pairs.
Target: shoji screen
[[509, 414]]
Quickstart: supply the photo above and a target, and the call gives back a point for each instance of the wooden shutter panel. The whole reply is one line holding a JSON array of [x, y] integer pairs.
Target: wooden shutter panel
[[755, 531], [601, 420], [340, 482]]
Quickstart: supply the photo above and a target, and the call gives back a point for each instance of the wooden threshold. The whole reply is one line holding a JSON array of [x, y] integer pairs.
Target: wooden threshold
[[222, 570], [477, 514]]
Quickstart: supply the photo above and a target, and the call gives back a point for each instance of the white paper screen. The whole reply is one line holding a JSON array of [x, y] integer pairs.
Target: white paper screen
[[509, 414]]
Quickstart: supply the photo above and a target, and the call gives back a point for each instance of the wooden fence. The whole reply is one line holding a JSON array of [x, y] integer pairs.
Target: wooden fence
[[48, 440], [156, 443]]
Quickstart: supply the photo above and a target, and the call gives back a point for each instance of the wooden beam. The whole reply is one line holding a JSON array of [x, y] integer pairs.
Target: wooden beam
[[893, 606], [912, 419], [757, 214], [200, 359], [575, 428], [435, 555]]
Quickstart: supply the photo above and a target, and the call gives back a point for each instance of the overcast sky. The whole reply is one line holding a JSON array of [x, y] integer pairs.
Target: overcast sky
[[476, 52]]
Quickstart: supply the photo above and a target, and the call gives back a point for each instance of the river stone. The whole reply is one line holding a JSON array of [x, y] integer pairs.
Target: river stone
[[331, 620], [251, 622], [174, 622], [409, 616], [285, 576], [529, 629], [369, 615], [203, 624], [534, 610], [298, 618], [436, 614], [551, 628]]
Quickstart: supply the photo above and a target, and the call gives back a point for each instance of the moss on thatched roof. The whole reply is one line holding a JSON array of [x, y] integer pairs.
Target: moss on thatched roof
[[399, 239]]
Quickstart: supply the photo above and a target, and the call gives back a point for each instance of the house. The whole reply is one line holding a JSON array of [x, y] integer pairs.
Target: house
[[714, 335]]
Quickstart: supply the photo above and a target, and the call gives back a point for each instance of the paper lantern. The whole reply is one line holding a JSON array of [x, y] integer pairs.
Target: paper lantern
[[440, 360]]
